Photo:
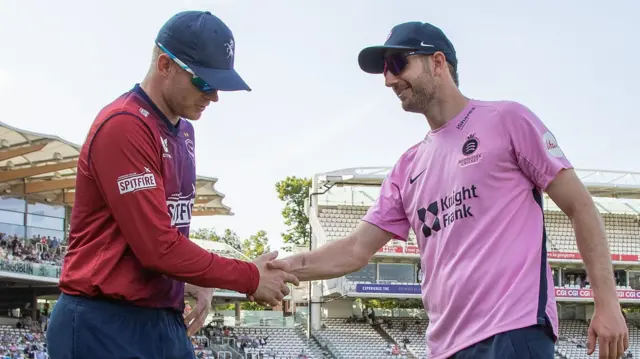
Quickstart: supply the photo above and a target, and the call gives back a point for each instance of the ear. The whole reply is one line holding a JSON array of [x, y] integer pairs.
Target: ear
[[164, 64], [439, 63]]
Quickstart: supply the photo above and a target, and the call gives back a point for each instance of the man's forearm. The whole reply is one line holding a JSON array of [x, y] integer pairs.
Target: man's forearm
[[329, 261], [593, 247]]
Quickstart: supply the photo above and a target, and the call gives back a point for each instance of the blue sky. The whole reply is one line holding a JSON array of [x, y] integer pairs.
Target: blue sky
[[312, 110]]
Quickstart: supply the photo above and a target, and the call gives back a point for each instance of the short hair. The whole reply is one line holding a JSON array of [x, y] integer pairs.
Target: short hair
[[453, 70], [156, 53], [454, 74]]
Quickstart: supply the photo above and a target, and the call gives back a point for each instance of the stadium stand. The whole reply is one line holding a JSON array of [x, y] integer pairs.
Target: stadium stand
[[409, 330], [276, 342], [356, 340], [622, 230], [339, 221]]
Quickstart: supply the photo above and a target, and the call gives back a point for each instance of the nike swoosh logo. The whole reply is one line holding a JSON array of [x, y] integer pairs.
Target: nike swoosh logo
[[416, 177], [426, 45]]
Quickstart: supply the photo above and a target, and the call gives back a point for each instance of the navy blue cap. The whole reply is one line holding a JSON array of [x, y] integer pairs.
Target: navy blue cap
[[205, 44], [409, 36]]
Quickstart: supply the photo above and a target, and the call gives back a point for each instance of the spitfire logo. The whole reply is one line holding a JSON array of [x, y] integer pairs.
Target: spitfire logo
[[180, 208], [230, 47], [136, 181]]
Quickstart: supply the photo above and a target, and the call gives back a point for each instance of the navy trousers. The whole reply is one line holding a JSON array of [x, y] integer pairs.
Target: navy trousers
[[535, 342], [86, 328]]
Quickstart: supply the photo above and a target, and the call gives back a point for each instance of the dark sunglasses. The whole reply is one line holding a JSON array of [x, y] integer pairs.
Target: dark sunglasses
[[198, 82], [395, 63]]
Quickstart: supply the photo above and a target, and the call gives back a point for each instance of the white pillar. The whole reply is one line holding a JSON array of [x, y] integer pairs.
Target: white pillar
[[315, 312]]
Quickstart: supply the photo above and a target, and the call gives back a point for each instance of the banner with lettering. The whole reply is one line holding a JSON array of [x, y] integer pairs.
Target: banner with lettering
[[588, 293], [399, 249], [576, 256], [388, 288], [28, 268]]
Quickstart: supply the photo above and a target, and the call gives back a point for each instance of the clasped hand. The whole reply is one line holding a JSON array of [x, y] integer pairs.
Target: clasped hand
[[273, 280]]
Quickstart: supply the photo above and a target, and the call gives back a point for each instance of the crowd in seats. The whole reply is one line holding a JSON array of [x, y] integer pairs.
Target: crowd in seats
[[201, 347], [19, 343], [267, 343], [35, 250]]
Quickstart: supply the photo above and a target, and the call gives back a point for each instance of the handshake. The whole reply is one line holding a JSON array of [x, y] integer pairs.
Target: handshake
[[274, 276]]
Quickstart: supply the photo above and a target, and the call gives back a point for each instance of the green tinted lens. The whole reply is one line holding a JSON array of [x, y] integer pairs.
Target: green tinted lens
[[201, 85]]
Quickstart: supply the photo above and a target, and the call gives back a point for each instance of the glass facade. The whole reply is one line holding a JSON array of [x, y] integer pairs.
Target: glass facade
[[12, 204], [27, 220], [385, 273], [398, 273], [366, 274], [634, 280]]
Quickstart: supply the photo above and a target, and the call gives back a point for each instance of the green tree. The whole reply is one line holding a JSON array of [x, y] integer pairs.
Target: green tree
[[229, 237], [256, 245], [243, 306], [205, 234], [390, 303], [293, 191], [251, 306]]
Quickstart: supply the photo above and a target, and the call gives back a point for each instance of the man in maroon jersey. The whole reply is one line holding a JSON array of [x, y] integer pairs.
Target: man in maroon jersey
[[123, 278]]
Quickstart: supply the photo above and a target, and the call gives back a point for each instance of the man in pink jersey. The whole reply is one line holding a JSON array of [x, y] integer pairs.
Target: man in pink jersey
[[472, 192]]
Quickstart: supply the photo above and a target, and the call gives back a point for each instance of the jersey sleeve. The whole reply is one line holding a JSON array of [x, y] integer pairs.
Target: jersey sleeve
[[387, 212], [126, 164], [535, 148]]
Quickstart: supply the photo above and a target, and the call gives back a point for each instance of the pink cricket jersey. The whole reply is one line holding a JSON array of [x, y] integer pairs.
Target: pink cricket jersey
[[472, 193]]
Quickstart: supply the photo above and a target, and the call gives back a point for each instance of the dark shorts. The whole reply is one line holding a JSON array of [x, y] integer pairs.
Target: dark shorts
[[84, 328], [534, 342]]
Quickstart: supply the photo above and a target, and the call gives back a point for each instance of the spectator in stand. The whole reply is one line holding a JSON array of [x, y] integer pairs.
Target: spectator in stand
[[406, 341]]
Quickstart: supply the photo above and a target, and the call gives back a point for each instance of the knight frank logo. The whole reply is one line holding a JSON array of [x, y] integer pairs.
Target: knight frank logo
[[434, 221], [448, 209]]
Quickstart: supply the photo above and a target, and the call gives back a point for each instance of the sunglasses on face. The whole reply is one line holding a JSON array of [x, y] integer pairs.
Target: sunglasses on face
[[198, 82], [396, 63]]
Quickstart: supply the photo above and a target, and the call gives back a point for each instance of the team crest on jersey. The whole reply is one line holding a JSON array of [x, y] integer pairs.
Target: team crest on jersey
[[136, 181], [191, 150], [469, 151]]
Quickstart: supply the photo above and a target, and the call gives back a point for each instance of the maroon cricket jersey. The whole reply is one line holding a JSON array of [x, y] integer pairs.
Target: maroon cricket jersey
[[136, 167]]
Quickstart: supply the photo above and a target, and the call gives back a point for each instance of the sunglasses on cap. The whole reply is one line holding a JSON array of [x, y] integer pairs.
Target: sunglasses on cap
[[198, 82], [395, 63]]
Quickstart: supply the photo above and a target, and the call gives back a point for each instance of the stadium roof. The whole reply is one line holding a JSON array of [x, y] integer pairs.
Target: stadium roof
[[43, 168], [601, 183]]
